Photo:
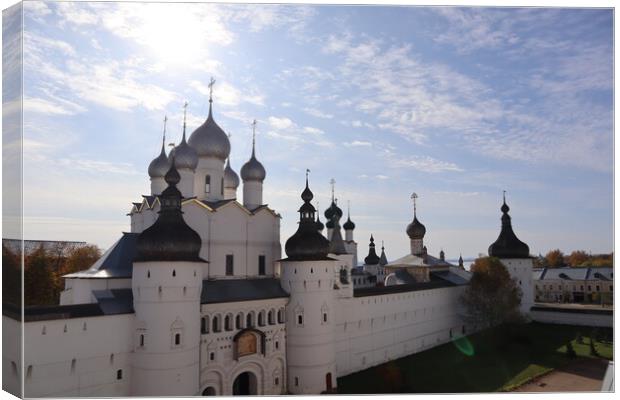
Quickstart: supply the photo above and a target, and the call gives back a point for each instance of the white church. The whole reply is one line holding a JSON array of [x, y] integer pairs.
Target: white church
[[198, 300]]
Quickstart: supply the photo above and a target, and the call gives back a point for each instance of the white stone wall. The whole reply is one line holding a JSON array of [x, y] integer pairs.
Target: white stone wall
[[215, 169], [12, 371], [80, 291], [220, 372], [372, 330], [311, 318], [521, 270], [78, 356], [166, 333]]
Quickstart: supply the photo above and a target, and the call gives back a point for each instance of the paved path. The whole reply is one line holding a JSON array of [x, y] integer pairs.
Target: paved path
[[581, 375]]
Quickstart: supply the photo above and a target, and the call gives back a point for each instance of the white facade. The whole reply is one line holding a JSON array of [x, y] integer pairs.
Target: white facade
[[520, 269]]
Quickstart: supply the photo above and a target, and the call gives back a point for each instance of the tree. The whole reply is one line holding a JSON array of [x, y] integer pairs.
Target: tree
[[577, 258], [80, 258], [11, 277], [492, 296], [39, 280], [555, 258]]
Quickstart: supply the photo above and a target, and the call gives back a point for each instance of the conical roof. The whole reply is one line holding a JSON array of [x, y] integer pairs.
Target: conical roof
[[507, 244], [169, 238], [372, 258]]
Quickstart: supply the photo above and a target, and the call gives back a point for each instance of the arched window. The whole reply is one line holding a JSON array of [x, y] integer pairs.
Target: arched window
[[174, 272], [208, 184], [204, 325], [271, 317], [249, 320], [177, 339], [281, 316], [228, 323], [29, 372], [238, 321], [119, 374], [216, 323], [73, 366], [261, 318], [141, 340]]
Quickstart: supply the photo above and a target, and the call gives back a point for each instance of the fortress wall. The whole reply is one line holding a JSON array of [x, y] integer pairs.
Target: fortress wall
[[372, 330], [101, 346]]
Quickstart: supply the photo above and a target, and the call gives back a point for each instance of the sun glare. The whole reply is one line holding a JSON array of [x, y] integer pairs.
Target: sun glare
[[179, 35]]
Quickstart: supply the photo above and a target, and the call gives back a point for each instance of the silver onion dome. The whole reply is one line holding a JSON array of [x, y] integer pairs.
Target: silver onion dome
[[209, 140], [253, 170], [184, 155], [231, 179], [161, 164]]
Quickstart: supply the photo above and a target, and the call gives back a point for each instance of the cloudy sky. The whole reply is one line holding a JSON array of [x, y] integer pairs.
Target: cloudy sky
[[456, 104]]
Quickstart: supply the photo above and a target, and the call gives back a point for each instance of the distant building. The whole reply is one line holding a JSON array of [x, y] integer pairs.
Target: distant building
[[574, 285]]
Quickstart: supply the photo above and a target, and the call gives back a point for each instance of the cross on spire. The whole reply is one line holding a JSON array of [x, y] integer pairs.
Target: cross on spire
[[253, 136], [504, 195], [307, 172], [211, 83], [349, 208], [414, 196], [165, 121], [185, 104], [333, 183]]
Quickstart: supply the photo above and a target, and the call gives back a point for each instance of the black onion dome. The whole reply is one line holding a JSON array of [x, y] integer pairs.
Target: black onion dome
[[169, 238], [307, 243], [209, 140], [160, 165], [333, 210], [319, 225], [507, 244], [372, 258], [330, 224], [416, 230], [383, 259], [336, 244], [348, 225]]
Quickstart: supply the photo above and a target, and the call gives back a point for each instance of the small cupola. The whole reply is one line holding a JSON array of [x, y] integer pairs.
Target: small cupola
[[253, 170], [348, 225], [307, 243], [160, 165], [319, 224], [185, 157], [415, 230], [372, 258], [231, 179], [383, 259]]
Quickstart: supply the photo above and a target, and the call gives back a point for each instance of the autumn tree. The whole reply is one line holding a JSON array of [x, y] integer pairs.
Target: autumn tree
[[577, 258], [39, 280], [492, 297], [80, 258], [555, 258], [11, 276]]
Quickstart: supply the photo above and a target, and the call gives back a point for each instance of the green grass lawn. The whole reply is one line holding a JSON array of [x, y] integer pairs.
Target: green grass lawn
[[493, 360]]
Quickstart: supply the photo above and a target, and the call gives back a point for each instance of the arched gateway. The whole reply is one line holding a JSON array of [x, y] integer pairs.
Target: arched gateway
[[245, 384]]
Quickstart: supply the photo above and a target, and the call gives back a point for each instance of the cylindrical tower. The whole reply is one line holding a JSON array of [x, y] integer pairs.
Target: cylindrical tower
[[166, 285], [307, 275]]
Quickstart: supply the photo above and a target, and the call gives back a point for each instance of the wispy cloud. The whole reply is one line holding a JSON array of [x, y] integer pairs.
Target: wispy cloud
[[357, 143]]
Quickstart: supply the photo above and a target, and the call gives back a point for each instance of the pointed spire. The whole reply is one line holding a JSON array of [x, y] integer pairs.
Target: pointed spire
[[333, 183], [372, 258], [184, 120], [383, 258], [461, 260], [254, 140], [211, 84], [163, 140]]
